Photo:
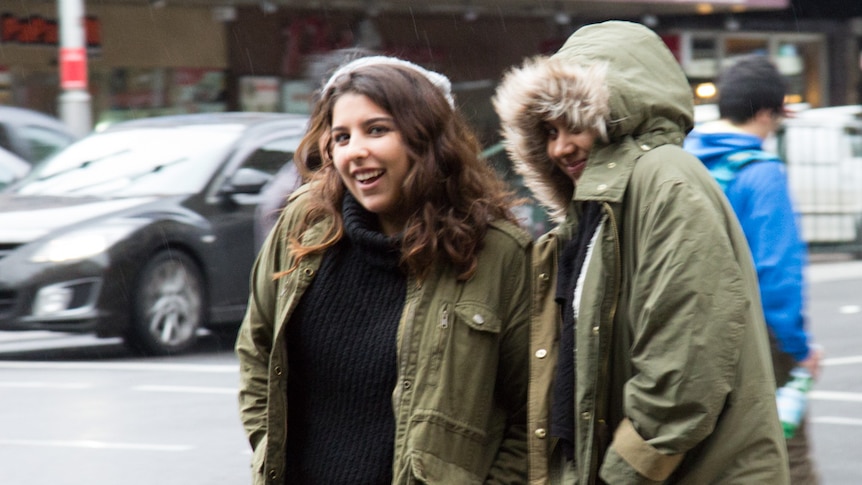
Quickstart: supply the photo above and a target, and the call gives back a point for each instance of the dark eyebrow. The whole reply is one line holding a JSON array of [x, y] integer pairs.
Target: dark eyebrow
[[370, 121]]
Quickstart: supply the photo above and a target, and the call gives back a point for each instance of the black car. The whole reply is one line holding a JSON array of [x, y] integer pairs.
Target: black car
[[144, 230]]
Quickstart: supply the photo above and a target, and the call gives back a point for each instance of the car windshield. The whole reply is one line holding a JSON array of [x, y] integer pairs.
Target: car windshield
[[134, 162]]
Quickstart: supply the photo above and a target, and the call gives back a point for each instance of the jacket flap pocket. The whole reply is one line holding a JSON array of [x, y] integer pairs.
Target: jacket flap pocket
[[430, 469], [478, 316]]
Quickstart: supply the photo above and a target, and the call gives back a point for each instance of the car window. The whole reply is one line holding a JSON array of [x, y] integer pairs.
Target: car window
[[854, 137], [43, 142], [5, 142], [531, 215], [272, 156], [134, 162]]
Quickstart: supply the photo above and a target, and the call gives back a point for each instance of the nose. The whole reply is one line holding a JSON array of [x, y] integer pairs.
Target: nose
[[356, 149], [568, 143], [559, 146], [565, 143]]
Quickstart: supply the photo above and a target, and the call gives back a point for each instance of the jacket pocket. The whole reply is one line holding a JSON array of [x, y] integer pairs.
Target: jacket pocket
[[466, 337], [478, 317], [428, 469]]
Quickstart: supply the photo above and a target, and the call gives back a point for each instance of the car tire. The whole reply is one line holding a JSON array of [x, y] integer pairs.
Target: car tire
[[168, 305]]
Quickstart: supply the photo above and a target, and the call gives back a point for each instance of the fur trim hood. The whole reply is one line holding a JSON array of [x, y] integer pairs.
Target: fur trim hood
[[616, 78]]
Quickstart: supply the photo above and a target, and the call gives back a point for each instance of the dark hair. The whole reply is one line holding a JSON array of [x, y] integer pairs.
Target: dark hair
[[452, 194], [749, 85]]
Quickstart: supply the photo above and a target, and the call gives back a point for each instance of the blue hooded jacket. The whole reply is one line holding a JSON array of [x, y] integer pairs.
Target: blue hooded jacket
[[755, 183]]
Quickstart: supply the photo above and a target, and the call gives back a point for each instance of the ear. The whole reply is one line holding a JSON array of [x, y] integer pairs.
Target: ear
[[764, 115]]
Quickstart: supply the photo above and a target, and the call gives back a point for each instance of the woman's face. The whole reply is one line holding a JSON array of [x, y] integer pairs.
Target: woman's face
[[568, 150], [371, 157]]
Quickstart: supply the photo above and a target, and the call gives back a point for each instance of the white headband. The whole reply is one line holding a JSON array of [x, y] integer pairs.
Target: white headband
[[440, 81]]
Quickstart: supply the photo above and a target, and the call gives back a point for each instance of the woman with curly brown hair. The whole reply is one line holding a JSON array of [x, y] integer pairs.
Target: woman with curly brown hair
[[386, 335]]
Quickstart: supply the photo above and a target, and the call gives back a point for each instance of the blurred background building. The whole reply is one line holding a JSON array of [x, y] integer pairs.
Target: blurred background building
[[150, 57]]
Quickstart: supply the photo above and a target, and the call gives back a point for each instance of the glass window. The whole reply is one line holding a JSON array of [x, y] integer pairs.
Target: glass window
[[271, 156], [854, 136], [738, 46], [135, 162], [44, 142]]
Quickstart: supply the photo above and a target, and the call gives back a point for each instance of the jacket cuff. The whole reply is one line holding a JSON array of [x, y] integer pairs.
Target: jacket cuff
[[639, 456]]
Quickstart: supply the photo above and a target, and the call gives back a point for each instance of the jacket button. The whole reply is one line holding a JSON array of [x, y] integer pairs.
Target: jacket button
[[277, 370], [541, 353], [273, 475], [586, 415], [596, 330], [406, 384], [478, 319], [309, 272], [544, 277], [602, 187], [612, 164], [645, 147], [541, 433]]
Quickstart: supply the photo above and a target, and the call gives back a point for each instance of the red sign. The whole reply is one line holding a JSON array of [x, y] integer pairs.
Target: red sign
[[73, 68], [36, 30]]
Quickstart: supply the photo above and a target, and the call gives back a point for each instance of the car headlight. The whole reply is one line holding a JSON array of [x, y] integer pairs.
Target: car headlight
[[79, 245]]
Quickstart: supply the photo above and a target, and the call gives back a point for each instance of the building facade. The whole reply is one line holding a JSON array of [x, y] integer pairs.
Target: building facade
[[147, 58]]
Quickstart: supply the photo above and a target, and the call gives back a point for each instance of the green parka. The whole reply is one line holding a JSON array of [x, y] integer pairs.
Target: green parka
[[460, 403], [673, 378]]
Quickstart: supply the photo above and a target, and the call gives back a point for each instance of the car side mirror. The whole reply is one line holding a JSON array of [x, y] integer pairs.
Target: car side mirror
[[246, 181]]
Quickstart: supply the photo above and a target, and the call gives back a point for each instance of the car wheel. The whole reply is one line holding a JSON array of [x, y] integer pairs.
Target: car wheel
[[168, 305]]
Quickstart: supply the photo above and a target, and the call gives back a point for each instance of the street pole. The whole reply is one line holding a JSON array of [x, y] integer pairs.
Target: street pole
[[74, 101]]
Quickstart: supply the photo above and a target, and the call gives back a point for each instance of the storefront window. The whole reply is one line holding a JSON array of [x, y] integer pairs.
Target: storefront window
[[735, 47], [144, 92], [797, 57]]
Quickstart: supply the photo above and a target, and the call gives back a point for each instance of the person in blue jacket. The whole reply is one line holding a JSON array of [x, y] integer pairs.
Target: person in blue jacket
[[751, 106]]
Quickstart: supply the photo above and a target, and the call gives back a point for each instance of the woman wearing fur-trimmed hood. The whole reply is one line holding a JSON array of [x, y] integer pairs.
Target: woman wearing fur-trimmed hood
[[650, 354]]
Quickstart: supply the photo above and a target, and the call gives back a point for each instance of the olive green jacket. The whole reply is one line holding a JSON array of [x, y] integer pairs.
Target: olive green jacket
[[460, 402], [673, 377]]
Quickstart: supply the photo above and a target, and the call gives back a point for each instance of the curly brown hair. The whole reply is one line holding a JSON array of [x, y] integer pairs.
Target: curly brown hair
[[452, 193]]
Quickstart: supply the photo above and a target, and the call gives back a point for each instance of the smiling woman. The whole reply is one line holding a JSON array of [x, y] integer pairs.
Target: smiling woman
[[370, 156], [387, 320]]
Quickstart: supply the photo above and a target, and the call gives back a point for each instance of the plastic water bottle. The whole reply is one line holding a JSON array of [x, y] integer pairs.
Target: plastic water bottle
[[792, 400]]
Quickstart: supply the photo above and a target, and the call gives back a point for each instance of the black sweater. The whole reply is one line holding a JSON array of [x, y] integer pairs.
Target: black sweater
[[342, 365]]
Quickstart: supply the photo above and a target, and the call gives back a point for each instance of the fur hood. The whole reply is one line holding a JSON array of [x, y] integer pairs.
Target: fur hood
[[616, 78]]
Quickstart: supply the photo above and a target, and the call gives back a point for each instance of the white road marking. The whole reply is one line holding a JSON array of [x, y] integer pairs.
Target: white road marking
[[836, 396], [850, 309], [46, 385], [850, 360], [837, 420], [188, 389], [96, 445], [122, 366]]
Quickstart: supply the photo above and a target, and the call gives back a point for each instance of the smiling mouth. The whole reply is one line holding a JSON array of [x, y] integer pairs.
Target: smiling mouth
[[574, 165], [368, 176]]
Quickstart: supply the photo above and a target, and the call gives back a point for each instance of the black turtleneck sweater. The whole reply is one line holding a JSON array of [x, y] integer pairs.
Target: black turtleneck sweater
[[341, 343]]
